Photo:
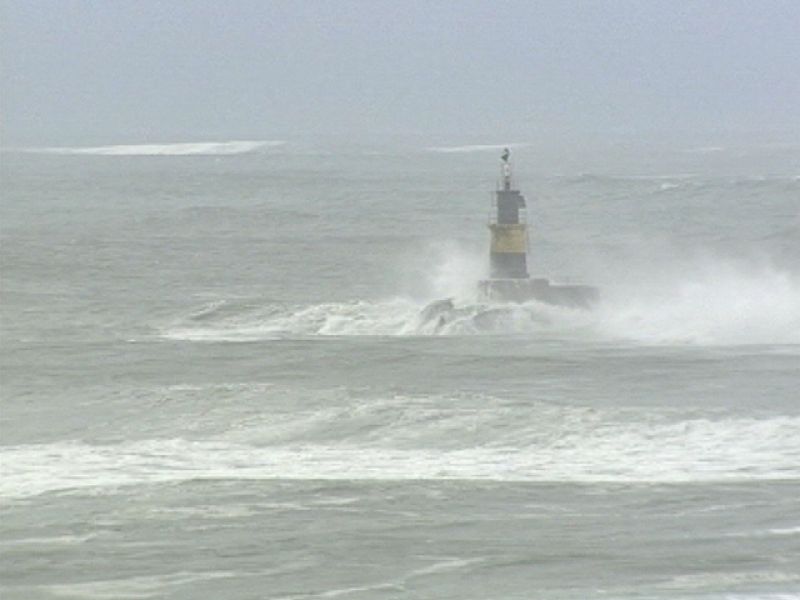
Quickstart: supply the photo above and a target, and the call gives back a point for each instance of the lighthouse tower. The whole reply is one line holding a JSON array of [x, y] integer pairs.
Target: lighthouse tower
[[508, 254], [508, 228]]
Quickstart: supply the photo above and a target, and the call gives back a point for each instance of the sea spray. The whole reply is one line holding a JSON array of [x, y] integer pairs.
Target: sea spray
[[454, 271], [714, 302]]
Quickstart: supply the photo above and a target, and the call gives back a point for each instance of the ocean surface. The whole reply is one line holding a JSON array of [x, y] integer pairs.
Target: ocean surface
[[217, 381]]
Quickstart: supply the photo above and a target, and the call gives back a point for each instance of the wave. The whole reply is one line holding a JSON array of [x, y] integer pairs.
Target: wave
[[176, 149], [475, 148], [229, 322], [430, 439], [715, 306], [391, 317]]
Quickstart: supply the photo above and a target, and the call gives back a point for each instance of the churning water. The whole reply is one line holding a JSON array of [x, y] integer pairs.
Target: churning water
[[218, 379]]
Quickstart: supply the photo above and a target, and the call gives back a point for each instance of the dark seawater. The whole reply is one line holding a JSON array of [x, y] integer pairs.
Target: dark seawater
[[217, 383]]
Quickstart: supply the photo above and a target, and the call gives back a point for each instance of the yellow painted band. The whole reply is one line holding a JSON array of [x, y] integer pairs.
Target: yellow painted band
[[508, 239]]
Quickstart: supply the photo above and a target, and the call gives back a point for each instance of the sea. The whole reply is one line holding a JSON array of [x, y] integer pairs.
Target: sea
[[219, 380]]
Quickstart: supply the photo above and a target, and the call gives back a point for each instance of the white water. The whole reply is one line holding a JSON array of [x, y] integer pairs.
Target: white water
[[401, 439]]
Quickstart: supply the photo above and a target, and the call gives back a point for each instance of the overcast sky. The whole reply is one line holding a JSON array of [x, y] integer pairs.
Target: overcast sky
[[79, 70]]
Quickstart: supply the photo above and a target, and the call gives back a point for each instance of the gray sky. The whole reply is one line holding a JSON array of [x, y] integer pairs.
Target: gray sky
[[79, 71]]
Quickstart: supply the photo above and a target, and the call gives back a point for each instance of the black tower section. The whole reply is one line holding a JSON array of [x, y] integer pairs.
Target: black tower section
[[508, 204]]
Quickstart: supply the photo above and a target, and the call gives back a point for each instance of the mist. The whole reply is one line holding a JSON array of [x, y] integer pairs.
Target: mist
[[115, 72]]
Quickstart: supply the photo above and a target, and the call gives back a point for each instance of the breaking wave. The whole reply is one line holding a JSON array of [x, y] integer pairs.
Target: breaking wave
[[432, 438], [392, 317], [719, 305], [224, 321], [176, 149]]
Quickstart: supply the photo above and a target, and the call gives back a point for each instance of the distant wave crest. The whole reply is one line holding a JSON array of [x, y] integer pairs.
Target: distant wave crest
[[176, 149], [475, 148]]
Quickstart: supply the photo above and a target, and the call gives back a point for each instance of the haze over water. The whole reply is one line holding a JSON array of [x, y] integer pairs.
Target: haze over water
[[218, 380]]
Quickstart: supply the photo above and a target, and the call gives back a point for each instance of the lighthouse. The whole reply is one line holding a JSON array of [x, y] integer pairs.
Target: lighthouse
[[508, 228], [509, 280]]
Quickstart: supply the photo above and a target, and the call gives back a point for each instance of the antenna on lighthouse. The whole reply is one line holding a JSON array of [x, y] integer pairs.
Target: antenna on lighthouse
[[506, 169]]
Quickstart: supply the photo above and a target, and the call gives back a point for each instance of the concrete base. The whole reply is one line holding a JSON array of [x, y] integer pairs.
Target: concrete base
[[522, 290]]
